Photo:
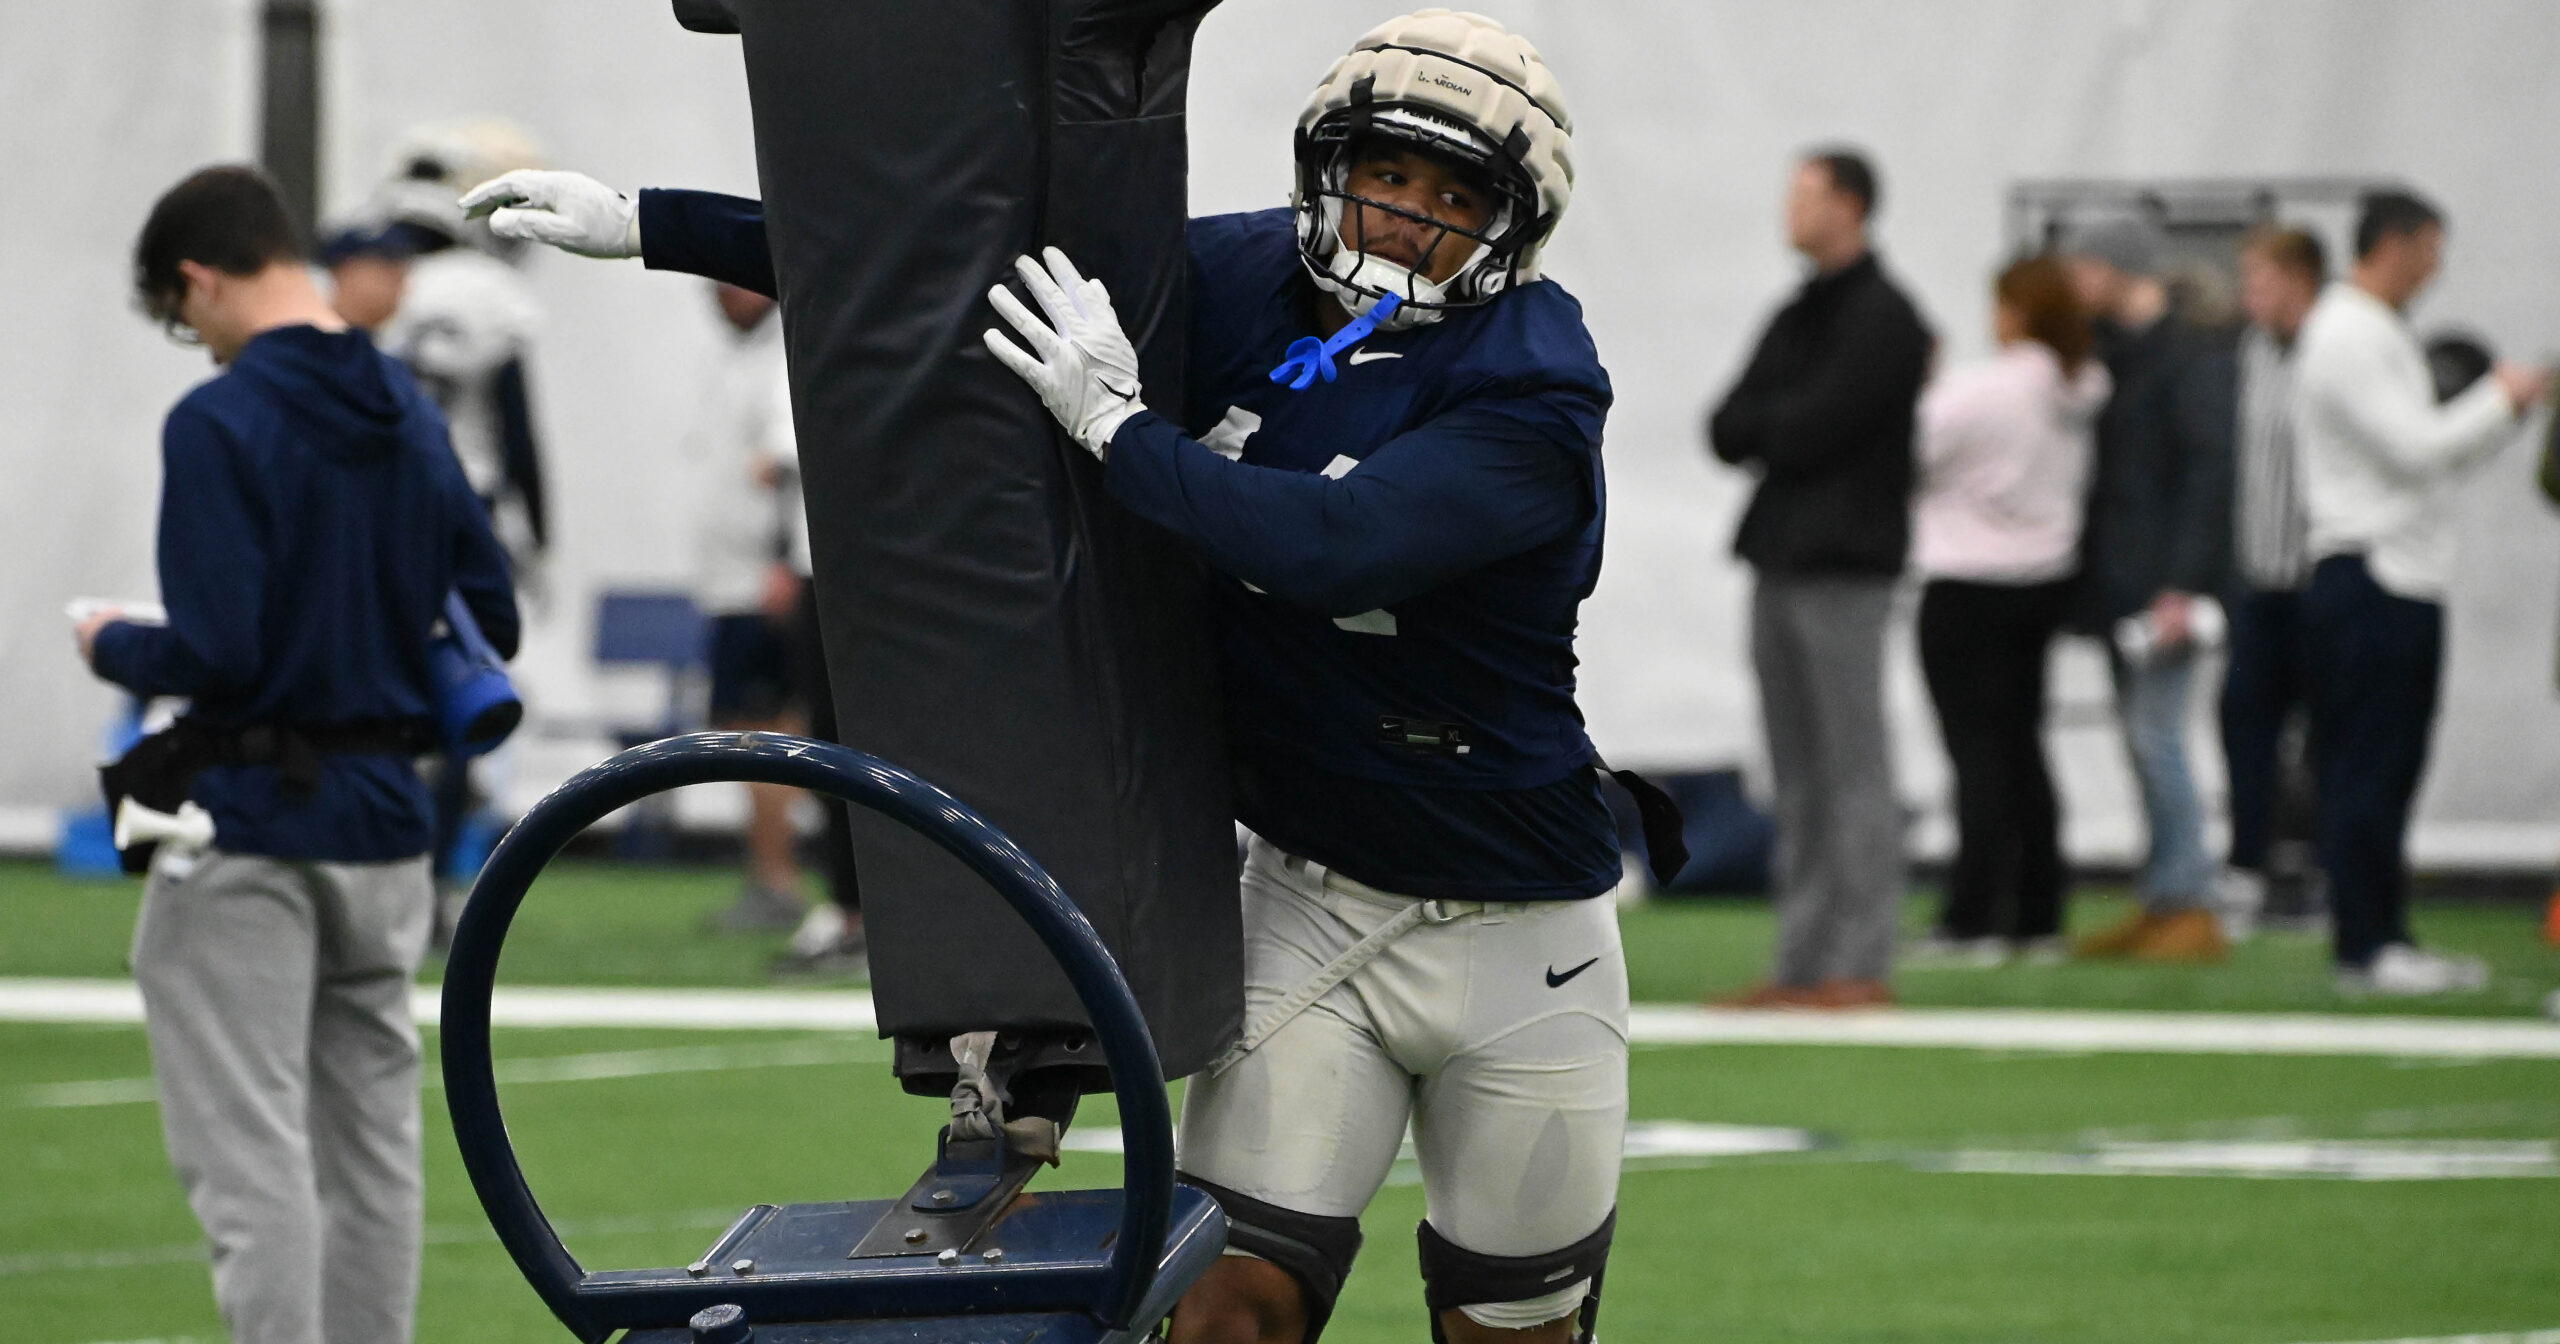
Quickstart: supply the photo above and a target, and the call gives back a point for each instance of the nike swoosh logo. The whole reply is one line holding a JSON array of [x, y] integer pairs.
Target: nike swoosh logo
[[1364, 356], [1554, 979]]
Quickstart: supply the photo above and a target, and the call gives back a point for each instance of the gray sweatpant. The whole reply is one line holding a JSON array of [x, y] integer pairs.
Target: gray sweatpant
[[1818, 647], [277, 1000]]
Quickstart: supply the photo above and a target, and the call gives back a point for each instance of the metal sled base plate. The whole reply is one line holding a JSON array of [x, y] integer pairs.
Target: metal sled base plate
[[1068, 1328], [788, 1266]]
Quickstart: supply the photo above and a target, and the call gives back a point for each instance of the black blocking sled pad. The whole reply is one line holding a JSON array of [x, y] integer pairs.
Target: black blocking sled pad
[[966, 1256], [992, 620]]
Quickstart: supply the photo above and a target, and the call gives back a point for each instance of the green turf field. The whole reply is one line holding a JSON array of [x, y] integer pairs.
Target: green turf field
[[643, 1144], [603, 924]]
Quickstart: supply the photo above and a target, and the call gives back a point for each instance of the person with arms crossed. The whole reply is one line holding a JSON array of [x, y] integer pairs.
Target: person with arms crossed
[[1404, 519], [2382, 465], [1823, 413], [313, 520]]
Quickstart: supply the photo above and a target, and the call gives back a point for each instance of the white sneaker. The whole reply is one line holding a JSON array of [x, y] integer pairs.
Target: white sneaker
[[820, 930], [2239, 896], [1938, 952], [2050, 950], [759, 909], [2402, 971]]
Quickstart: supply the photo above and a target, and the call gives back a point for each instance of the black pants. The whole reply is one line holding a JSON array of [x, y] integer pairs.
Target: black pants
[[2375, 661], [1982, 647], [809, 673], [2266, 685]]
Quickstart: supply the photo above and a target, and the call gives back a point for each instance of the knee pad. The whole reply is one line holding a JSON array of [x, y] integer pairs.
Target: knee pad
[[1453, 1276], [1316, 1251]]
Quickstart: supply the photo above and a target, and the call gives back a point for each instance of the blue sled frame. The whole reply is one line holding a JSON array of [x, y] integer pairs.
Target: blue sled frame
[[1084, 1267]]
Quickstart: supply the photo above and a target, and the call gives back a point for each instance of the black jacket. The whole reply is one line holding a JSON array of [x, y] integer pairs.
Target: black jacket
[[1825, 407], [2160, 497]]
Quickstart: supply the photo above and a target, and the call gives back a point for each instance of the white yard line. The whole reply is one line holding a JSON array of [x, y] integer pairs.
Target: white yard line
[[2091, 1032], [118, 1002], [2031, 1030], [2317, 1159]]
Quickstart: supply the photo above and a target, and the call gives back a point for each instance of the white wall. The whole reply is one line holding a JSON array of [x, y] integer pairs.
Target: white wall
[[618, 91], [1688, 116], [120, 101]]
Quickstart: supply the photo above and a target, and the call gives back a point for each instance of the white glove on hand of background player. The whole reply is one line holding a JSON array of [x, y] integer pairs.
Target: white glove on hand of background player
[[1084, 369], [570, 211]]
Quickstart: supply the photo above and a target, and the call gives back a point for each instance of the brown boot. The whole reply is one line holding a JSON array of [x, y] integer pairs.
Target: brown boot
[[1854, 994], [2182, 936], [1771, 994], [2117, 941]]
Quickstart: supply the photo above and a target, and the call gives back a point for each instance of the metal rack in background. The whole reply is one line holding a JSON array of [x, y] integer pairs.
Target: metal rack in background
[[2204, 218]]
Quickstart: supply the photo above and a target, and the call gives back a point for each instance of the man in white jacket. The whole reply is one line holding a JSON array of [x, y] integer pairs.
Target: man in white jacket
[[2381, 466]]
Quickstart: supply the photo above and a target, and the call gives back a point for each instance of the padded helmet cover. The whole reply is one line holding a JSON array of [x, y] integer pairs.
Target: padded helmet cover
[[1488, 85]]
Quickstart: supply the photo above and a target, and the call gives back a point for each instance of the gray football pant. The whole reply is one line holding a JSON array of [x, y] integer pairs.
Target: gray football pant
[[277, 1000], [1818, 647]]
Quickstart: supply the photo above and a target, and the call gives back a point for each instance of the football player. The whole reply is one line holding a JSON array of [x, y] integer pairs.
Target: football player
[[1403, 516]]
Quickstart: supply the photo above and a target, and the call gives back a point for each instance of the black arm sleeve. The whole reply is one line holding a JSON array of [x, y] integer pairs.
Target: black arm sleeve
[[707, 234], [1734, 425], [519, 454]]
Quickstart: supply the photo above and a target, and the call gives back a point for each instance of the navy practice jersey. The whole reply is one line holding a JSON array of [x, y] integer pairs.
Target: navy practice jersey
[[1401, 555]]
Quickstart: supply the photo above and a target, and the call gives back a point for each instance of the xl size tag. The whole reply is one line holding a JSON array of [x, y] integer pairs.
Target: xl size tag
[[1445, 739]]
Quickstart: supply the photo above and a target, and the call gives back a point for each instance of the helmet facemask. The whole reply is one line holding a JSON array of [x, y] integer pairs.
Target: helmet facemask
[[1331, 226]]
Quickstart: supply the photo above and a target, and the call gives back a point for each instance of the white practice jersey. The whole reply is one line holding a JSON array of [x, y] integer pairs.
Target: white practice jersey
[[462, 315], [743, 468]]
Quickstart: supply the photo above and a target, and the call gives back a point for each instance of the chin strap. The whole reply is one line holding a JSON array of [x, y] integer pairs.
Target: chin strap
[[1309, 357]]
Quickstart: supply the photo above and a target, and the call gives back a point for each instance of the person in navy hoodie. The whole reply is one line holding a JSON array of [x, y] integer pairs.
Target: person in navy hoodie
[[313, 519], [1402, 519]]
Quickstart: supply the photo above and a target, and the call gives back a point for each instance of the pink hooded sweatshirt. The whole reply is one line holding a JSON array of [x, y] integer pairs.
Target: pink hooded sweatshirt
[[2005, 449]]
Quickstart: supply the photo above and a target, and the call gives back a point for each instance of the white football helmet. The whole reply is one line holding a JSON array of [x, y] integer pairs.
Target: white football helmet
[[1459, 87], [433, 165]]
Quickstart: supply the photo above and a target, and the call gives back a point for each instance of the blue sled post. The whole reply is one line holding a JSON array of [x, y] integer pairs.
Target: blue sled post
[[1073, 1267]]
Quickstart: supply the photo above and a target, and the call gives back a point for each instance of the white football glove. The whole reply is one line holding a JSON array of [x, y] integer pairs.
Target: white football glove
[[570, 211], [1085, 368]]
